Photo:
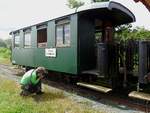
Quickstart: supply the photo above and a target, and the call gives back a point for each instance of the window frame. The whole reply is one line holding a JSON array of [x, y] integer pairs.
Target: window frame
[[42, 27], [27, 31], [62, 23], [17, 34]]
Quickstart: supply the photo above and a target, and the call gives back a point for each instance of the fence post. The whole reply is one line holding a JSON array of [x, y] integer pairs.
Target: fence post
[[142, 61]]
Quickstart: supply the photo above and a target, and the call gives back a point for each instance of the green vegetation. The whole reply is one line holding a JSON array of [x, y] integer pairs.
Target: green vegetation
[[74, 3], [5, 55], [77, 3], [5, 43], [52, 101], [8, 42], [127, 32], [99, 0], [2, 43]]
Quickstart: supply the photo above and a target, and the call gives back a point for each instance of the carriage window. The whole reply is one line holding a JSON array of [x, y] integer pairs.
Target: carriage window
[[16, 40], [42, 36], [63, 34], [59, 35], [67, 34], [27, 39]]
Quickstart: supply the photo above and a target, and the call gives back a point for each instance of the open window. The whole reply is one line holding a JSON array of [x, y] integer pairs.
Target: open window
[[98, 31], [16, 39], [42, 36], [103, 31], [27, 38], [63, 33]]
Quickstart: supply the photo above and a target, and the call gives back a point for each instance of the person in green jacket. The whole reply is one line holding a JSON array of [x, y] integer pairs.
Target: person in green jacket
[[31, 81]]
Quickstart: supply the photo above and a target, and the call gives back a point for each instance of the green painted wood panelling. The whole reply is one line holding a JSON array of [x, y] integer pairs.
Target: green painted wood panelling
[[22, 56], [51, 34], [21, 39], [66, 59], [33, 37]]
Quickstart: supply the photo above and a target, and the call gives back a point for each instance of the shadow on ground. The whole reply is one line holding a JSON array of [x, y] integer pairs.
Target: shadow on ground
[[47, 96]]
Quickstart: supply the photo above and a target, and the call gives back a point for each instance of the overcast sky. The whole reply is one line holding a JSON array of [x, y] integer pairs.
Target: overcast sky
[[15, 14]]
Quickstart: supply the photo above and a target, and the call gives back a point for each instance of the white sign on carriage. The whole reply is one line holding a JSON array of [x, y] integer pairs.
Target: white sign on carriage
[[50, 52]]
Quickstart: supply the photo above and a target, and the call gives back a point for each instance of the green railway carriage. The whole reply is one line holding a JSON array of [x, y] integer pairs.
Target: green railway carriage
[[68, 43]]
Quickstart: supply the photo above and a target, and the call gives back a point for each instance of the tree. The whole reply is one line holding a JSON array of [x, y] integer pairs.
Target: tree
[[126, 32], [2, 43], [99, 0], [122, 32], [77, 3], [140, 33], [8, 43], [74, 3]]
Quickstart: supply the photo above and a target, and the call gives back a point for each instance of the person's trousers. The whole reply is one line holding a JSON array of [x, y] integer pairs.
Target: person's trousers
[[30, 88]]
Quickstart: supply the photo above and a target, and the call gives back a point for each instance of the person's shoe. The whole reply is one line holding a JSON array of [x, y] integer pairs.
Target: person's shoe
[[21, 93], [39, 93]]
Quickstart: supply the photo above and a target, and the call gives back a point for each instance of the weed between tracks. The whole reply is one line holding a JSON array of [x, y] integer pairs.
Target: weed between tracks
[[52, 101]]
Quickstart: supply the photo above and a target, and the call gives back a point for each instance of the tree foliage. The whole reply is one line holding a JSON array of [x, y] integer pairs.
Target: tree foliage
[[140, 34], [121, 32], [8, 43], [2, 43], [126, 32], [5, 43], [99, 0], [74, 3], [5, 52], [77, 3]]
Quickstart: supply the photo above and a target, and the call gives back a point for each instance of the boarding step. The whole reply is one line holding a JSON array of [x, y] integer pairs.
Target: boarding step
[[95, 87], [140, 95]]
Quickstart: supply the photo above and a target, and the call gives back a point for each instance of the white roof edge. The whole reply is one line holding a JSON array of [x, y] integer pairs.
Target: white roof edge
[[119, 6], [95, 5], [109, 5]]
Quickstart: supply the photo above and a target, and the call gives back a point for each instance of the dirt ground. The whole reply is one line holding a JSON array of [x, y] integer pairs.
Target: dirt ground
[[103, 105]]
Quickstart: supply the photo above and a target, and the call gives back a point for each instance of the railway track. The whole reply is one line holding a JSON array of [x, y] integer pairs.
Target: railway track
[[111, 99]]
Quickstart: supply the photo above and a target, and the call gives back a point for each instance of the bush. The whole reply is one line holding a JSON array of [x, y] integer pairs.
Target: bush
[[5, 52], [2, 44]]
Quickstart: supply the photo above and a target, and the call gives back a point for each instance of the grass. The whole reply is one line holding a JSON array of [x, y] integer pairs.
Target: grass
[[52, 101], [4, 61], [5, 55]]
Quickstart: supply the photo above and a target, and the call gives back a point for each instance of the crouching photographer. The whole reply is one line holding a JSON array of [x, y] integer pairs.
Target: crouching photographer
[[31, 81]]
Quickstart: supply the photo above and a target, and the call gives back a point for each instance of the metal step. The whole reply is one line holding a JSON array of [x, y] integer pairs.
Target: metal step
[[139, 95], [95, 87]]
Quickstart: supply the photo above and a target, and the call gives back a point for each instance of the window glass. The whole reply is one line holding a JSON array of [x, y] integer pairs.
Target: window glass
[[67, 34], [59, 36], [27, 40], [63, 34], [17, 40], [42, 38]]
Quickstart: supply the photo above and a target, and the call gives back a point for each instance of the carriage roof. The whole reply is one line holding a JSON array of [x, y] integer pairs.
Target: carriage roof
[[101, 6]]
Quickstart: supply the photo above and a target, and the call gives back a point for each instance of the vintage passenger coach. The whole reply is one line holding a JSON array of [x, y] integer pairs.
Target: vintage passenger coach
[[75, 43]]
